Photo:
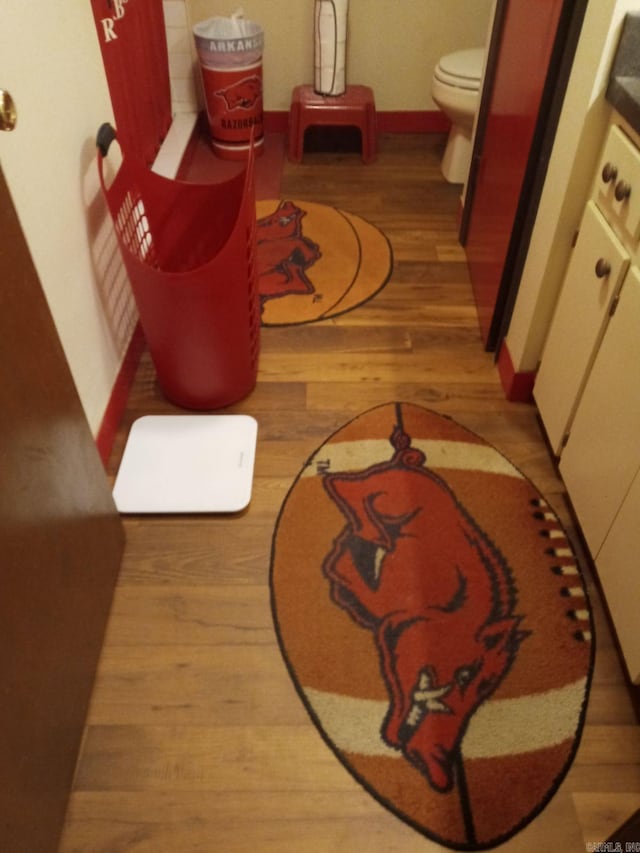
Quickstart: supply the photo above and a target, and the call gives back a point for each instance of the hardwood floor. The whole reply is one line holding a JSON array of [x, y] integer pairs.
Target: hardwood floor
[[196, 739]]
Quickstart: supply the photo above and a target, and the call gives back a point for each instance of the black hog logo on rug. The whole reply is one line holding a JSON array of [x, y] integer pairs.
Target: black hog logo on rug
[[242, 94], [284, 253], [412, 566]]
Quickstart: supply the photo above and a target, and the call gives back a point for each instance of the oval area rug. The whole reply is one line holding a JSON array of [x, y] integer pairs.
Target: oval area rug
[[434, 620], [316, 261]]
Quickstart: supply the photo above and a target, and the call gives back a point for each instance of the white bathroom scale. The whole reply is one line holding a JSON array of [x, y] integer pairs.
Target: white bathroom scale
[[187, 463]]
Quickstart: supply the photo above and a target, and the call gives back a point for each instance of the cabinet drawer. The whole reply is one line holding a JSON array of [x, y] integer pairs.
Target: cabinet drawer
[[616, 188], [578, 323]]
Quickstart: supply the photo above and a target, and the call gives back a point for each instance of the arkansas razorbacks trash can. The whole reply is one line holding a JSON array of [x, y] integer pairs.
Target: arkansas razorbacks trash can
[[190, 253], [230, 54]]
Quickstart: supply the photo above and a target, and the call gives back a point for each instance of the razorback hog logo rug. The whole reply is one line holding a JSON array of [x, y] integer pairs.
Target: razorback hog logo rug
[[315, 261], [435, 623]]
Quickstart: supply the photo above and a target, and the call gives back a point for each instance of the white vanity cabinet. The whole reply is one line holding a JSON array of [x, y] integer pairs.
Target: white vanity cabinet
[[588, 385], [600, 466], [598, 265], [618, 568], [616, 188], [602, 454]]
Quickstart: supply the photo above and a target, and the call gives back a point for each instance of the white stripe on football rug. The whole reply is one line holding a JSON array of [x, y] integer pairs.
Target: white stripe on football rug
[[534, 722], [356, 455]]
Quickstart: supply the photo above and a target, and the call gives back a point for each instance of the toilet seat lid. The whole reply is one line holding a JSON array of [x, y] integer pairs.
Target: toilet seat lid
[[462, 68]]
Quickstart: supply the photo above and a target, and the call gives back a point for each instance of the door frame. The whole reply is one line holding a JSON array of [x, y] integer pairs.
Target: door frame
[[555, 87]]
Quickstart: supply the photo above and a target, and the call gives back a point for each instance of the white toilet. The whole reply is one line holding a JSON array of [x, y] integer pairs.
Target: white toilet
[[456, 90]]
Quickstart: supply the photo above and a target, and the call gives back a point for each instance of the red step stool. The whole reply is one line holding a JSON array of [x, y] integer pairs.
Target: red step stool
[[356, 108]]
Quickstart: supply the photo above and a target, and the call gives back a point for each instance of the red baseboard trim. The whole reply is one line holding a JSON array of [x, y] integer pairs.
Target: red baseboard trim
[[119, 395], [406, 121], [413, 121], [276, 121], [518, 387]]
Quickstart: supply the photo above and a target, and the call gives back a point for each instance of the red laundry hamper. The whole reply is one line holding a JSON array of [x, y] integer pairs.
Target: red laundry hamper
[[190, 253]]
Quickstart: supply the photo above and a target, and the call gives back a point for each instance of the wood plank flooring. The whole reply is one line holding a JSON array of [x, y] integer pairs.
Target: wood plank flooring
[[196, 739]]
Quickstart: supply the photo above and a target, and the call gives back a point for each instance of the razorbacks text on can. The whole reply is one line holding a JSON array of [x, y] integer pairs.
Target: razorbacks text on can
[[237, 123]]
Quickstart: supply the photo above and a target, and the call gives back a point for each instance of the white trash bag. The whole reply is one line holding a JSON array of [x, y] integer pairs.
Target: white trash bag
[[228, 42]]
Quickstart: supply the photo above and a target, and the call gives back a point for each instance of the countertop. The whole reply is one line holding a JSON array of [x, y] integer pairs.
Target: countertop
[[623, 91]]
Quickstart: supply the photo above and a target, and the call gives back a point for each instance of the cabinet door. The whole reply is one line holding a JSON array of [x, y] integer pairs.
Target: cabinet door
[[618, 572], [603, 451], [578, 324]]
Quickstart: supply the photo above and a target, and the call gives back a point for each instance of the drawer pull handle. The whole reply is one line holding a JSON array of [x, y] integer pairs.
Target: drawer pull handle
[[622, 190], [603, 268], [609, 172]]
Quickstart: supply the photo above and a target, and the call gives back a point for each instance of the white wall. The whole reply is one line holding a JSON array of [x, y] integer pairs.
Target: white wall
[[392, 45], [183, 67], [51, 64], [578, 142]]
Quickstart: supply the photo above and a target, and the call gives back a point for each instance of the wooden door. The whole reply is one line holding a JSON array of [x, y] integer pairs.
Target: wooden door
[[61, 543], [527, 58]]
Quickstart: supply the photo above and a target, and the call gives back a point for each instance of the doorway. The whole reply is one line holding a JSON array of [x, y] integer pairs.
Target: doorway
[[529, 60]]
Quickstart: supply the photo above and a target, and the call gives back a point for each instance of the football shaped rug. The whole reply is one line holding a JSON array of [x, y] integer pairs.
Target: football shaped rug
[[315, 261], [435, 622]]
